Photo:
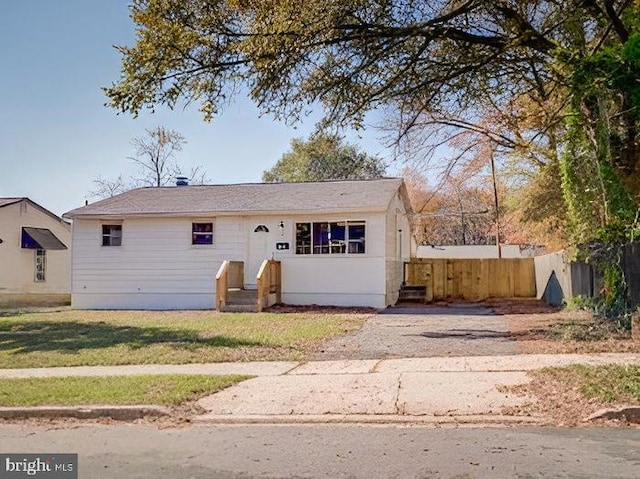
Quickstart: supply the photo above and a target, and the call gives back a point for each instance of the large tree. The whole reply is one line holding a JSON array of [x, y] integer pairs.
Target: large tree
[[155, 157], [323, 157], [441, 62]]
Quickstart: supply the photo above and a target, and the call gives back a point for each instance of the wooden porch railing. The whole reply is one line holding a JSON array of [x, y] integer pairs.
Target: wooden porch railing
[[230, 275], [269, 282]]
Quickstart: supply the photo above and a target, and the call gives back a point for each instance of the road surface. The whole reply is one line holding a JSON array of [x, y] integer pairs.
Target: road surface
[[242, 452]]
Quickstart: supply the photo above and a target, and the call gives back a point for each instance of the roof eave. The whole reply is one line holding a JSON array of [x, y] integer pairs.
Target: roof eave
[[200, 214]]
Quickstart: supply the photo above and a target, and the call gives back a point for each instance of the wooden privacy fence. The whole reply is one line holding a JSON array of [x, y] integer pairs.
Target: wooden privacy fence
[[473, 279]]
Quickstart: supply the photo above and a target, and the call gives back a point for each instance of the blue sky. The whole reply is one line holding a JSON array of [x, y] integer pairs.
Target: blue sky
[[56, 136]]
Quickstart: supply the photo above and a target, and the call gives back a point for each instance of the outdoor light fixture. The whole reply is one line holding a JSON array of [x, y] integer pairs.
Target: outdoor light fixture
[[281, 226]]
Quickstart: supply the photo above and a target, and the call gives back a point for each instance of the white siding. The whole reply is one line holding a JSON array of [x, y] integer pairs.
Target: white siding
[[338, 279], [398, 247], [17, 265], [156, 267]]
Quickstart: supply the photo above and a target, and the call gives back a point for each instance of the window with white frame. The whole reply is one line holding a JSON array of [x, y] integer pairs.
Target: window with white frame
[[201, 233], [41, 265], [339, 237], [111, 235]]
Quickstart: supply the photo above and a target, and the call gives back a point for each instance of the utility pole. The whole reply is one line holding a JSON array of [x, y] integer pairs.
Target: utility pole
[[495, 202]]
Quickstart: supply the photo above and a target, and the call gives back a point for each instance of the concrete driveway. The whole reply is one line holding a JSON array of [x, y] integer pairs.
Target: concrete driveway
[[454, 330]]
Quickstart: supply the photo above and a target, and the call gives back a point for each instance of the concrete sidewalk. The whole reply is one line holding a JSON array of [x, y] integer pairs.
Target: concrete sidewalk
[[411, 390], [434, 390]]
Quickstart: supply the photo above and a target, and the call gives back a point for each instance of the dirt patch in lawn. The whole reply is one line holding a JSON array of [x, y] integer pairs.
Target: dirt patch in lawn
[[10, 301], [543, 329], [317, 309], [558, 397]]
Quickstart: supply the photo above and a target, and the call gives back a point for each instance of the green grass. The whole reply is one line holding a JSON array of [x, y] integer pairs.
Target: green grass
[[74, 338], [609, 384], [166, 390], [579, 331]]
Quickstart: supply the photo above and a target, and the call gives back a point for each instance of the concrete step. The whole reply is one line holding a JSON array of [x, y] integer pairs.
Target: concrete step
[[241, 308], [413, 294], [242, 297], [408, 287], [416, 294]]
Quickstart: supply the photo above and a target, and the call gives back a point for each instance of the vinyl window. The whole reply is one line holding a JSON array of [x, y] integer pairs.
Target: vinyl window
[[40, 265], [111, 235], [339, 237], [201, 233]]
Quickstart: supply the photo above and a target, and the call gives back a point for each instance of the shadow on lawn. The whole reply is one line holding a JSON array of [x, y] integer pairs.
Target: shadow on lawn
[[31, 336]]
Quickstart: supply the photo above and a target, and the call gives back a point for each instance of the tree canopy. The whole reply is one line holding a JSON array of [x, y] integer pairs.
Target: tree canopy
[[550, 80], [354, 55], [323, 157], [155, 157]]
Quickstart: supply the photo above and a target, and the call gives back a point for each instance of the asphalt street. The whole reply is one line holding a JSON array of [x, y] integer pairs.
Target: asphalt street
[[304, 451]]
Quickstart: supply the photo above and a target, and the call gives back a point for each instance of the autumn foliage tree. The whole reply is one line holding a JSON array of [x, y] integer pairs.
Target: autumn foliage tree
[[549, 82], [458, 212]]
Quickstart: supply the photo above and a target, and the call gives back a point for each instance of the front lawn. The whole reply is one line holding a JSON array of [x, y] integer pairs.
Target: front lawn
[[570, 394], [163, 390], [604, 384], [75, 338]]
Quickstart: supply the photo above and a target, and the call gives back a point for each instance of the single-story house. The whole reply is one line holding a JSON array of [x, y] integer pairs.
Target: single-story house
[[34, 254], [338, 242]]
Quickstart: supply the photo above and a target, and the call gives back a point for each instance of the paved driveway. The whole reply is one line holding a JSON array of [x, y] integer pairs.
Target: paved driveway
[[454, 330]]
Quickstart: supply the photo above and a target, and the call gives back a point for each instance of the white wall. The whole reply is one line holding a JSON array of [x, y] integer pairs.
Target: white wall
[[468, 251], [339, 279], [398, 247], [156, 267], [17, 265]]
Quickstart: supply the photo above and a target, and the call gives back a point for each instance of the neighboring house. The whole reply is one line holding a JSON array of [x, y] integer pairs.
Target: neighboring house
[[468, 251], [34, 254], [478, 251], [339, 243]]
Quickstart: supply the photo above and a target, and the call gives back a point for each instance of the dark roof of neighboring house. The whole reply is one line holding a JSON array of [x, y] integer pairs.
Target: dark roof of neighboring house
[[10, 201], [339, 196]]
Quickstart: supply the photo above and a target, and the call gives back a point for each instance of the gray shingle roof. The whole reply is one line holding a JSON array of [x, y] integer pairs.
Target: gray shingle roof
[[339, 196]]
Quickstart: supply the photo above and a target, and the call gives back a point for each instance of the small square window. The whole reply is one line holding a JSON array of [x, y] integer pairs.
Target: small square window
[[202, 233], [111, 235]]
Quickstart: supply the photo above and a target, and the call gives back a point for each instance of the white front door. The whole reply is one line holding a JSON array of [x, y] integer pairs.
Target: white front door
[[259, 250]]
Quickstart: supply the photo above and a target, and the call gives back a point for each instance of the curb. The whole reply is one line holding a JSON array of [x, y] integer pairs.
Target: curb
[[121, 413], [370, 419], [627, 413]]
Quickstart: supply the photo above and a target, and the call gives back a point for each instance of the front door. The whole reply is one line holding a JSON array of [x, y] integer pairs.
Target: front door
[[259, 250]]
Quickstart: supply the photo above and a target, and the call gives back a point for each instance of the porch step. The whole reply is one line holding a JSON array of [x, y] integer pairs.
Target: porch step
[[242, 297], [241, 301], [413, 294], [241, 308]]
